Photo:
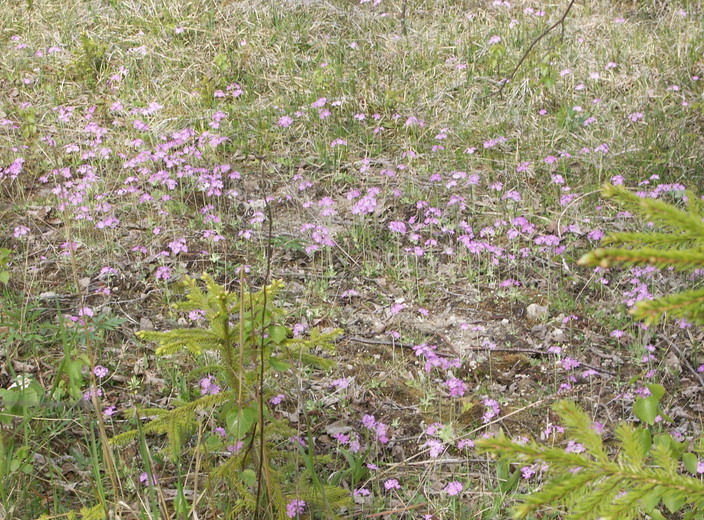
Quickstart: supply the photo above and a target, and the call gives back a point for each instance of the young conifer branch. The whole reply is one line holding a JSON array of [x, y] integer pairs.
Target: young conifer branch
[[678, 244]]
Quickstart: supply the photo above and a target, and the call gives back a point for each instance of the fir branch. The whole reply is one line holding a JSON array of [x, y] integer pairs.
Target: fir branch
[[688, 305], [580, 425], [599, 488], [660, 211], [684, 259], [194, 340], [666, 240]]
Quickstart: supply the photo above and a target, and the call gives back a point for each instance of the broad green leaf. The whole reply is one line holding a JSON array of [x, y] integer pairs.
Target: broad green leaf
[[646, 409], [502, 469], [651, 500], [672, 502], [512, 482], [249, 477], [690, 461], [655, 514], [278, 334], [239, 422], [278, 364], [644, 438], [213, 442], [656, 390], [9, 398], [4, 277]]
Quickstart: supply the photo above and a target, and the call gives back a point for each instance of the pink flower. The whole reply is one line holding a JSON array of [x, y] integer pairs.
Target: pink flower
[[163, 273], [453, 488], [492, 410], [277, 399], [435, 447], [86, 311], [295, 508], [456, 386], [527, 472], [20, 231], [209, 386], [465, 443], [397, 227], [392, 483], [144, 478], [100, 371]]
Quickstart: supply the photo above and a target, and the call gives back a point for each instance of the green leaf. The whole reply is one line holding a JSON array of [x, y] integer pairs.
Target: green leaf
[[655, 514], [249, 477], [512, 482], [646, 409], [278, 364], [644, 438], [651, 500], [447, 434], [9, 398], [656, 390], [278, 334], [240, 422], [690, 461], [673, 502], [213, 442], [4, 277]]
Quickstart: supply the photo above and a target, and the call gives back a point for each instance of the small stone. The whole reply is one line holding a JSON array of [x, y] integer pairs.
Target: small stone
[[558, 336], [146, 324], [536, 312], [539, 331]]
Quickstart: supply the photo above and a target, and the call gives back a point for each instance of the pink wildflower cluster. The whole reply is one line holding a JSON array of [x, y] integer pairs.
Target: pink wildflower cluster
[[378, 427]]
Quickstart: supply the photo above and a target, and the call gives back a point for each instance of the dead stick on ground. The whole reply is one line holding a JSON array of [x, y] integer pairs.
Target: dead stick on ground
[[560, 22]]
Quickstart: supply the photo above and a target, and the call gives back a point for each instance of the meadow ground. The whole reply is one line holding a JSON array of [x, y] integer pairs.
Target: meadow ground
[[432, 218]]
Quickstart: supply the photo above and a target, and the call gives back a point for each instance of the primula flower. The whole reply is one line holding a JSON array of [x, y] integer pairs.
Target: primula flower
[[209, 386], [527, 472], [465, 443], [86, 311], [453, 488], [144, 478], [491, 411], [100, 371], [277, 399], [20, 231], [285, 121], [163, 273], [392, 483], [456, 386], [574, 447], [435, 447], [295, 508]]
